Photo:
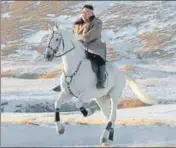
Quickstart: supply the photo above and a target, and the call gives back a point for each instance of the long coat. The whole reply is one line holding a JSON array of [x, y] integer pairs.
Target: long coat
[[90, 33]]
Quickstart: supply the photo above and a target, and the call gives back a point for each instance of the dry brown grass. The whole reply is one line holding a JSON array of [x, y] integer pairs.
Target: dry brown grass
[[90, 121], [127, 68], [143, 122], [8, 73], [111, 53], [48, 75], [154, 40], [39, 49], [10, 47], [51, 74], [130, 103], [150, 82], [25, 14], [21, 121], [124, 122], [117, 21]]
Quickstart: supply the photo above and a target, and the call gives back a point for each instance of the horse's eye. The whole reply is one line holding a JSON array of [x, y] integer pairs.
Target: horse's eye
[[57, 39]]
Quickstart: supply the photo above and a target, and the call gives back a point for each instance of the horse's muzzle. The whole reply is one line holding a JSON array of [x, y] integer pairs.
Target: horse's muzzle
[[49, 56]]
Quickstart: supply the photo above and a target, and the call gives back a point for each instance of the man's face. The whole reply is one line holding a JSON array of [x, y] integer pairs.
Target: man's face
[[86, 13]]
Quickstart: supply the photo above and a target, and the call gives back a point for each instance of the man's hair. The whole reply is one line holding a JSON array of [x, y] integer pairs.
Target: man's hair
[[89, 7]]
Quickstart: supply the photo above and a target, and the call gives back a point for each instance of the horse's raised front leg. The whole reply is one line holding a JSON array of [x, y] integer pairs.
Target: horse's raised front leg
[[80, 106], [63, 97]]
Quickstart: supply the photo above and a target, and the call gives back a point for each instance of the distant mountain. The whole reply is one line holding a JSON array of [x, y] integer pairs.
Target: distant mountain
[[140, 32], [141, 39]]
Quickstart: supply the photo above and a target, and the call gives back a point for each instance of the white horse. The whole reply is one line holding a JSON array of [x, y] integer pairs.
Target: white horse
[[79, 80]]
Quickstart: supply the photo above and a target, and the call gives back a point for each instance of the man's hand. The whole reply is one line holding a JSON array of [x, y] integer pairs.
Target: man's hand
[[83, 16], [85, 35]]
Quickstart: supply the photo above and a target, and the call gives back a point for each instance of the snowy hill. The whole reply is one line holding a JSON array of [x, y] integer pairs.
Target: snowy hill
[[142, 33], [140, 36]]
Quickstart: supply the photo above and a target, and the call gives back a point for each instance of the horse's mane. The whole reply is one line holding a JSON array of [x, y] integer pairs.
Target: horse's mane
[[69, 34]]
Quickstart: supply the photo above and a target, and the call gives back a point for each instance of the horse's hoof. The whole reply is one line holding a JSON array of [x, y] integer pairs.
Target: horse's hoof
[[91, 111], [61, 130], [105, 145], [103, 140]]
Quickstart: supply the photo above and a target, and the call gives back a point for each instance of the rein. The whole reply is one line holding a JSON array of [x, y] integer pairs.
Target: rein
[[68, 79], [66, 51], [63, 45]]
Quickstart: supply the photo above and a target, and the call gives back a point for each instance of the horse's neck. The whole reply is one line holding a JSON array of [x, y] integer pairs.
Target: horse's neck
[[72, 59]]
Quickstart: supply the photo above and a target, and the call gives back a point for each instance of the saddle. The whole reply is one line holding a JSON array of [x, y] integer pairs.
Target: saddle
[[94, 64]]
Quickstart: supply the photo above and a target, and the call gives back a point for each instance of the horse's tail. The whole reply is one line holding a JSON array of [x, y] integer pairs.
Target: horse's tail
[[141, 95]]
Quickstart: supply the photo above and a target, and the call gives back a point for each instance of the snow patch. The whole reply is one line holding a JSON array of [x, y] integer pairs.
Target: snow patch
[[5, 15], [51, 15], [3, 46], [6, 1], [37, 37], [38, 3]]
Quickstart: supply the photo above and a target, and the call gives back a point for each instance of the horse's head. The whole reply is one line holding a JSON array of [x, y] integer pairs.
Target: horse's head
[[55, 43]]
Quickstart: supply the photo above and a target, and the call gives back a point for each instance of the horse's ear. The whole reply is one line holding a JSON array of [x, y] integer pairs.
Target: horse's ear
[[57, 26], [50, 27]]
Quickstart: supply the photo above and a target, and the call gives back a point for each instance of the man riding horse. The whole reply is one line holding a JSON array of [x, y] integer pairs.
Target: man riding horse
[[88, 30], [78, 79]]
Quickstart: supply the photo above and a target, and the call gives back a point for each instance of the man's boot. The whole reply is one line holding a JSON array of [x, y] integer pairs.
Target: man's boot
[[101, 76]]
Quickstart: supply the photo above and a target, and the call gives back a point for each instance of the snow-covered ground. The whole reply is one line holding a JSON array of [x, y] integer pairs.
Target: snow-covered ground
[[81, 135], [143, 126], [158, 114]]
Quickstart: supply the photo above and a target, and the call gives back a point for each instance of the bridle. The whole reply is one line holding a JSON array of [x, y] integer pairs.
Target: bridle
[[68, 79], [63, 45]]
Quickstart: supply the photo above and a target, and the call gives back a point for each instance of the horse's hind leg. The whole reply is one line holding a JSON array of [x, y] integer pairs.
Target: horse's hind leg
[[104, 104], [115, 93], [108, 133]]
